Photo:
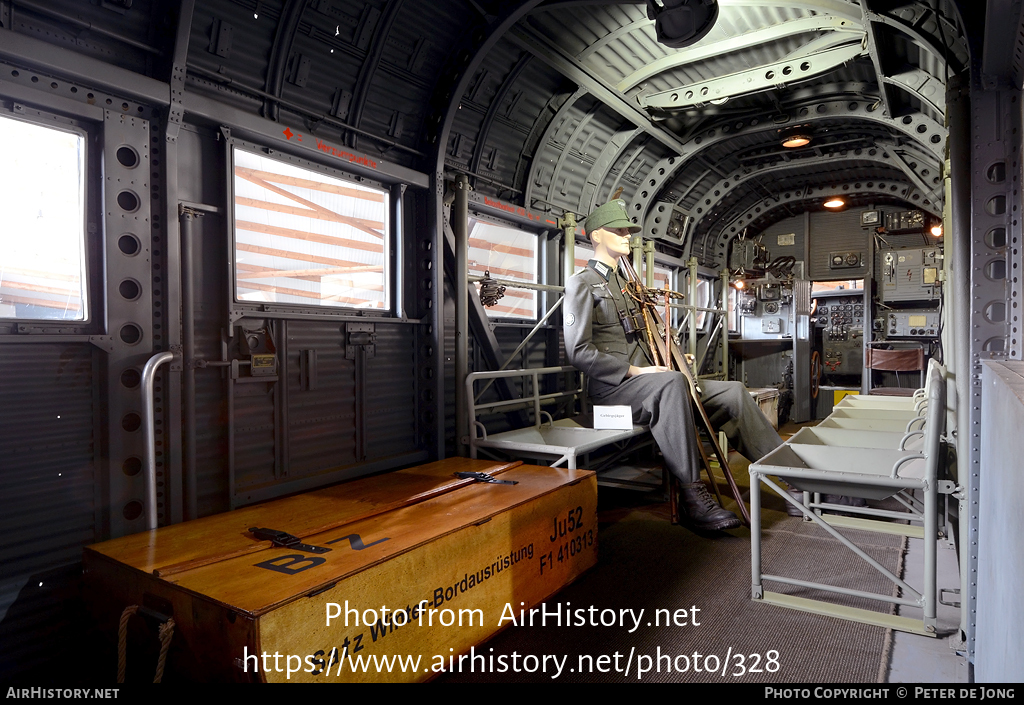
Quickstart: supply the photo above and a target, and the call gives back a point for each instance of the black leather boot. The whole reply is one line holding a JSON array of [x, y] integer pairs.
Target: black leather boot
[[698, 510]]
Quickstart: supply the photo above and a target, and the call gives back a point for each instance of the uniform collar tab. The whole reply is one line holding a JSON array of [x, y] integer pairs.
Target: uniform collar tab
[[601, 268]]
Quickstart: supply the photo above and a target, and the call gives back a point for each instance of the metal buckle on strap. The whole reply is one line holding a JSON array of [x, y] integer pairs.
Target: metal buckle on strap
[[484, 477], [282, 539]]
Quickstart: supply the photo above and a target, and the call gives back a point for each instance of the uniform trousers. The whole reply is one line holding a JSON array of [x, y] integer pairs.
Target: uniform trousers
[[661, 400]]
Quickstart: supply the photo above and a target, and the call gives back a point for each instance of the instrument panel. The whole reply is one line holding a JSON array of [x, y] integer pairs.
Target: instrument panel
[[841, 314]]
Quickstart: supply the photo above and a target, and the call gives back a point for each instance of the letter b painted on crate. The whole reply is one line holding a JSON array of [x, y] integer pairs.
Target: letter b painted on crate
[[292, 563]]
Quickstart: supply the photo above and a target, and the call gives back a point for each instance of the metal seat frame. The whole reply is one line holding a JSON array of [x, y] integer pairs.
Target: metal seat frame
[[563, 440], [858, 472]]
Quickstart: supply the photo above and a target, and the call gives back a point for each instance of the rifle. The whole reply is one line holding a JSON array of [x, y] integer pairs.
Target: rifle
[[664, 352]]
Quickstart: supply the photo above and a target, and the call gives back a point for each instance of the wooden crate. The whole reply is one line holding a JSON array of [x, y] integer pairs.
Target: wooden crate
[[767, 399], [419, 541]]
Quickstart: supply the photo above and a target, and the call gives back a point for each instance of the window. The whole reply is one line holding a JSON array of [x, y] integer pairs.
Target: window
[[507, 253], [305, 238], [705, 289], [42, 243], [582, 254], [818, 287], [662, 277]]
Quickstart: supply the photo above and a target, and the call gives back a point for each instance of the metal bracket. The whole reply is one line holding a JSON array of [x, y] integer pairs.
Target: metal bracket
[[307, 370], [951, 591], [177, 364], [103, 342], [484, 477], [360, 335], [26, 329], [754, 80]]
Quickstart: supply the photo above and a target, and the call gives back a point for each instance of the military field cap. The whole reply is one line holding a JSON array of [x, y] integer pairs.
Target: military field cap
[[611, 215]]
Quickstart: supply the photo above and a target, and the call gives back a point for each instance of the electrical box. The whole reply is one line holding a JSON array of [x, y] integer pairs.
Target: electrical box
[[910, 274], [906, 222], [748, 255], [912, 324], [766, 310]]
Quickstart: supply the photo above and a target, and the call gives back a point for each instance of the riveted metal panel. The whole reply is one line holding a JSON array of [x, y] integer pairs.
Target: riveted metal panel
[[448, 362], [335, 410], [128, 38], [252, 38], [50, 498], [995, 248], [414, 51], [832, 232], [1001, 564], [329, 71], [389, 393], [133, 322], [254, 430], [211, 421]]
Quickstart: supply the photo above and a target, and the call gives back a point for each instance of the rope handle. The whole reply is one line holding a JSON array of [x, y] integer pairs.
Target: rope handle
[[165, 634]]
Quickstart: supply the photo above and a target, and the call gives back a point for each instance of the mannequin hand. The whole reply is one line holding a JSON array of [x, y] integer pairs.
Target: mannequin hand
[[634, 371]]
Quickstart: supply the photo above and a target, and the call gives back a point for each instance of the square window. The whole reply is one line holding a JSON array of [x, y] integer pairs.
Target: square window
[[704, 291], [662, 277], [818, 287], [582, 254], [305, 238], [42, 244], [507, 253]]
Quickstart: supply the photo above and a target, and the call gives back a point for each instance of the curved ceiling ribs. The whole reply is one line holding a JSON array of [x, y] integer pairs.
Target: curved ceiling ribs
[[579, 134], [370, 63], [884, 89], [918, 128], [492, 110], [881, 190], [747, 40], [537, 139], [918, 25], [534, 179], [882, 153], [279, 54], [695, 130], [602, 166]]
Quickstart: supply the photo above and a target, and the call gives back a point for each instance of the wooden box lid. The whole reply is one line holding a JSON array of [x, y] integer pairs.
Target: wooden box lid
[[386, 515]]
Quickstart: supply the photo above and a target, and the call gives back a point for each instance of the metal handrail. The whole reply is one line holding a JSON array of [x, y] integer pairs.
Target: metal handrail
[[535, 397], [149, 429], [529, 336]]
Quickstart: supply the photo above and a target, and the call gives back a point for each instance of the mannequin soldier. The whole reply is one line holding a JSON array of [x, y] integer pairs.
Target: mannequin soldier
[[620, 373]]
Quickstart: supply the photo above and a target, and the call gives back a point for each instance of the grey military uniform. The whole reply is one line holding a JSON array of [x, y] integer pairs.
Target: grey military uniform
[[596, 344]]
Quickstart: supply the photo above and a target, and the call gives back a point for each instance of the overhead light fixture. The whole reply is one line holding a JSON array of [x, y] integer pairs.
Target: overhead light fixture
[[680, 23], [739, 284], [936, 230], [796, 137], [835, 203]]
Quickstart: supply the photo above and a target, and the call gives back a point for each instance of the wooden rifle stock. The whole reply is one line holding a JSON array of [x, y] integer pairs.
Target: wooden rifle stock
[[665, 352]]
